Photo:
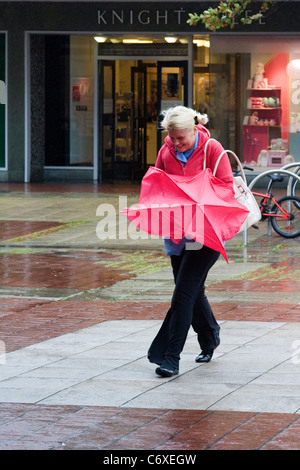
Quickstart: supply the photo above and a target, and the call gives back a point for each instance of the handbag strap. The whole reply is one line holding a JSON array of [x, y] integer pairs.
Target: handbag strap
[[205, 149], [219, 159]]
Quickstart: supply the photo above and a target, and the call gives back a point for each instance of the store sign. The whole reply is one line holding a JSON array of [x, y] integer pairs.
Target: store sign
[[147, 17], [142, 17], [119, 15], [165, 16], [138, 15]]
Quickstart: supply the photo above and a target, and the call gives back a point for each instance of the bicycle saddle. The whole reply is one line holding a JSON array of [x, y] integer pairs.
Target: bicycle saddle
[[276, 177]]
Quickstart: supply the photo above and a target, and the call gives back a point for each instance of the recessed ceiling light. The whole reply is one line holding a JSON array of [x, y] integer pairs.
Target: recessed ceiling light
[[100, 38], [137, 41], [171, 39]]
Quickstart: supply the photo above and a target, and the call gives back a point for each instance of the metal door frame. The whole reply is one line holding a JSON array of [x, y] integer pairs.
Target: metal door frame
[[101, 64], [141, 68]]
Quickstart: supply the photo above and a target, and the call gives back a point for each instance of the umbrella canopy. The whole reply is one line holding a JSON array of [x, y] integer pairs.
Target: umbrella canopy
[[200, 207]]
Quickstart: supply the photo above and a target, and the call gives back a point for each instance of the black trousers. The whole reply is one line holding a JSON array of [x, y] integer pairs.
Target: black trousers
[[189, 306]]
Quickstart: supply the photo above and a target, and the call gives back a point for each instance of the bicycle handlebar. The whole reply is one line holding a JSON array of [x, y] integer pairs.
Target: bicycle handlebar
[[248, 168], [244, 168]]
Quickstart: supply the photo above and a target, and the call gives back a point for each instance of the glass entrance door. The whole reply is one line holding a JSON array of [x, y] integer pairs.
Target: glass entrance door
[[132, 94], [115, 120], [171, 90]]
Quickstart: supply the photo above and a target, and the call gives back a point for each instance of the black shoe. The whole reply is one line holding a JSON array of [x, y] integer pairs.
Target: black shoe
[[166, 371], [204, 357]]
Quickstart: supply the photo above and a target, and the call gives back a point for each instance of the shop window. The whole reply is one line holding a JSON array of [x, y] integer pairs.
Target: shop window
[[82, 100], [69, 108], [266, 116], [266, 93], [57, 108]]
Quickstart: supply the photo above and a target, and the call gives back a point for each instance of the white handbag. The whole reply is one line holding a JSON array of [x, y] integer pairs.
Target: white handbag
[[242, 193]]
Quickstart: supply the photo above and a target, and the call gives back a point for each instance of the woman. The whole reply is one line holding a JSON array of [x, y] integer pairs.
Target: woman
[[183, 154]]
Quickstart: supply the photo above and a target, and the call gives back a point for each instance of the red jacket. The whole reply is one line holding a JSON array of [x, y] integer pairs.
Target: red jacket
[[167, 159]]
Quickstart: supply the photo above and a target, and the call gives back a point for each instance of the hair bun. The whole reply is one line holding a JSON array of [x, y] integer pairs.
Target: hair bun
[[201, 118]]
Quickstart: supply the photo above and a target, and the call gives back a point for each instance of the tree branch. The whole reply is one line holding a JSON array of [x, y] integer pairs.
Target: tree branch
[[227, 14]]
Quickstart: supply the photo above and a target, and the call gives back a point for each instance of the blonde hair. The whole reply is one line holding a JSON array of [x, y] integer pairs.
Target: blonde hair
[[181, 117]]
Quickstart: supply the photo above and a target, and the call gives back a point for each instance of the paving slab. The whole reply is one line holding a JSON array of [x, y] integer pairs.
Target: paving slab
[[106, 365]]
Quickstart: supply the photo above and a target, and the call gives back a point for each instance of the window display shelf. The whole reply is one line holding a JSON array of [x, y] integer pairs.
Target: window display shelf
[[264, 108], [262, 125], [264, 89]]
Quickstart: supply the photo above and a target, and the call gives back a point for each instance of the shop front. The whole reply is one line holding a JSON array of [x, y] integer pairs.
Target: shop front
[[83, 84]]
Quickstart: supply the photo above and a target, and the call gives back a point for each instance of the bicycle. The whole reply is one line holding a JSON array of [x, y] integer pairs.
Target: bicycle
[[284, 213]]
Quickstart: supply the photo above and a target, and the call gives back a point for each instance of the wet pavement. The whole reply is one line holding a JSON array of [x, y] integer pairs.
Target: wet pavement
[[81, 298]]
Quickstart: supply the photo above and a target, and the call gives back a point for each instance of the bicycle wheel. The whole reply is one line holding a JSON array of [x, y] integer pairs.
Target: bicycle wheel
[[288, 228]]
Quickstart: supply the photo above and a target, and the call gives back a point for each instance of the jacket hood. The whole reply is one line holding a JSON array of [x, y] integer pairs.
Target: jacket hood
[[204, 135]]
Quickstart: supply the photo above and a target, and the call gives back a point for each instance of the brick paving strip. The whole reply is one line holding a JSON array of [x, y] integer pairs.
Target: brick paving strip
[[10, 230], [27, 321], [44, 427]]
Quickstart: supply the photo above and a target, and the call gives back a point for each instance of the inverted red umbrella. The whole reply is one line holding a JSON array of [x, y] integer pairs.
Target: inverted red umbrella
[[199, 207]]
